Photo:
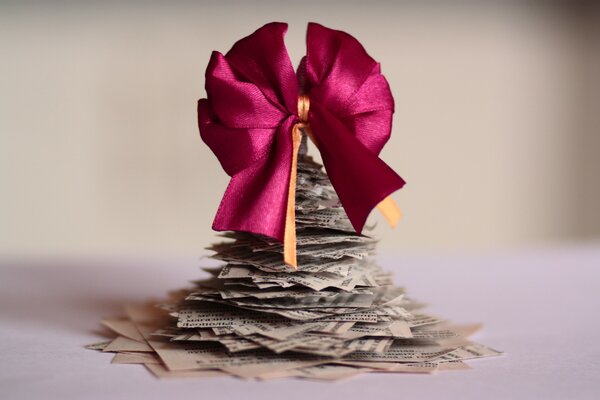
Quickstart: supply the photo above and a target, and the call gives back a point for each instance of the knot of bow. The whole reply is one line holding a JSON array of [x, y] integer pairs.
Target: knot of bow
[[257, 105]]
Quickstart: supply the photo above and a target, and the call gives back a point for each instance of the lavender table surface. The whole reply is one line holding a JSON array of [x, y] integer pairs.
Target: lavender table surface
[[540, 306]]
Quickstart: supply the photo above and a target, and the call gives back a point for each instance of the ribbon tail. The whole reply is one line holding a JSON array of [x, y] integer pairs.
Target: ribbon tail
[[390, 211], [387, 207], [360, 178], [289, 238]]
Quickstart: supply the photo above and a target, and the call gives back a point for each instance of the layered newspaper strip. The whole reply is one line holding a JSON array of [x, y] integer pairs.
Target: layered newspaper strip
[[337, 316]]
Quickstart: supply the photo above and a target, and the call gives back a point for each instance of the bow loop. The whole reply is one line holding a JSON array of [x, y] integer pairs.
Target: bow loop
[[237, 103], [343, 78], [336, 66], [235, 148], [262, 59]]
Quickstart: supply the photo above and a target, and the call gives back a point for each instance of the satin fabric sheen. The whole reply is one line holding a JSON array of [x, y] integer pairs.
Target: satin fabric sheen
[[251, 107]]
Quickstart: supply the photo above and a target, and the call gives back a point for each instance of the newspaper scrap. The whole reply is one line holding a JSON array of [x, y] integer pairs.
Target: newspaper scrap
[[337, 316]]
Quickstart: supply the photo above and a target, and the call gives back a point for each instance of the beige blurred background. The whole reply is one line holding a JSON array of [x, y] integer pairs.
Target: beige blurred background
[[496, 131]]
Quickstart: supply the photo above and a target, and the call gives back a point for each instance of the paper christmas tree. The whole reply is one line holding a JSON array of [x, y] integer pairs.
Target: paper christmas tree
[[298, 293]]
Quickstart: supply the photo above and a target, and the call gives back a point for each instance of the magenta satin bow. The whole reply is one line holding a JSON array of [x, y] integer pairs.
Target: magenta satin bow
[[252, 106]]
